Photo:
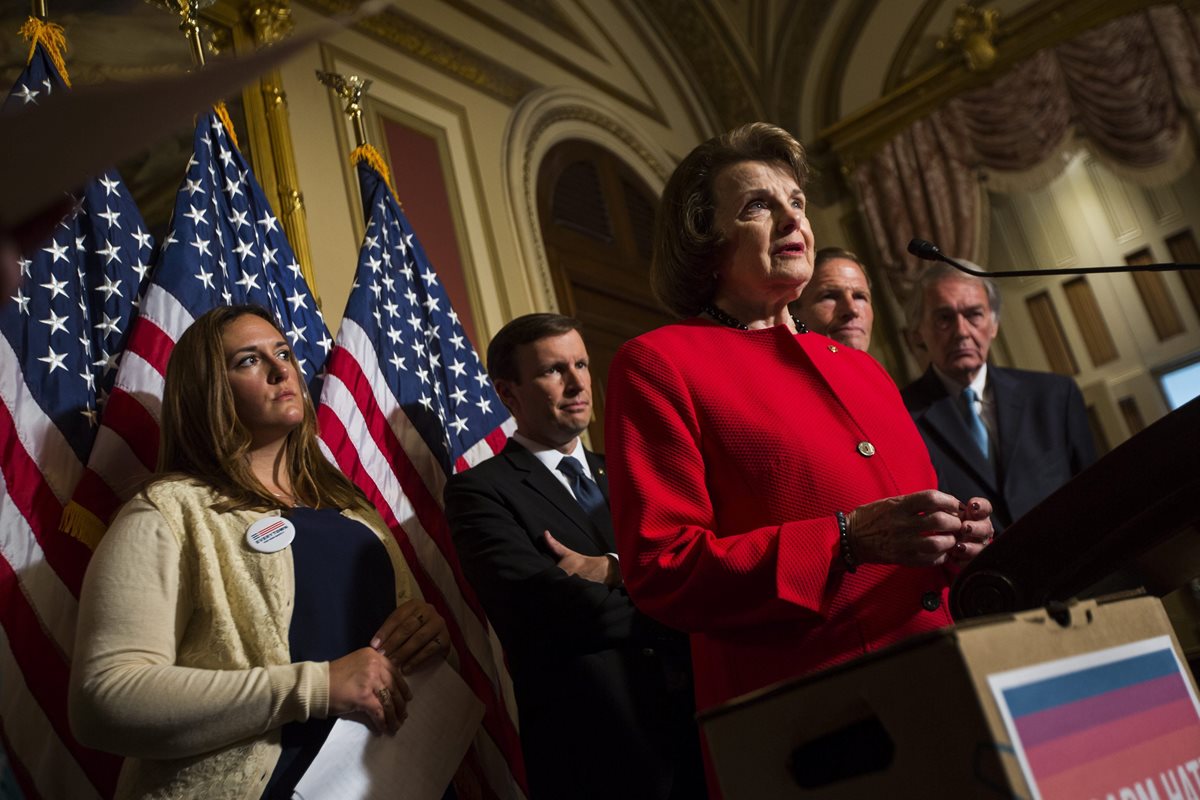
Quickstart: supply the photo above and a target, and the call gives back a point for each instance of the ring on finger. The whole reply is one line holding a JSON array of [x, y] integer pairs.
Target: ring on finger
[[437, 640], [385, 696], [420, 619]]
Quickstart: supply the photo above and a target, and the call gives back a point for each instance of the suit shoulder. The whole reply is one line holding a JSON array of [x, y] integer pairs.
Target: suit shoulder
[[1038, 381], [493, 470], [920, 394]]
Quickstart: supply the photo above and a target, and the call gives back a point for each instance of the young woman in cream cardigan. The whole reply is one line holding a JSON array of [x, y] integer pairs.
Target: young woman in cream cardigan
[[211, 652]]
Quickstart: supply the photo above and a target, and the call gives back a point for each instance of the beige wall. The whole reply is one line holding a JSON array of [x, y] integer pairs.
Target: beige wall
[[630, 100], [608, 71]]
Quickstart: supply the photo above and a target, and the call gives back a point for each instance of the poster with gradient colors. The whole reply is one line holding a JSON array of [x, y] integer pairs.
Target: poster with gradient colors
[[1117, 723]]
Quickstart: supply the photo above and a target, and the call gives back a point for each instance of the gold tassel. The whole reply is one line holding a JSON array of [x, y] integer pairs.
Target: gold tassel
[[50, 36], [82, 524], [223, 115], [369, 154]]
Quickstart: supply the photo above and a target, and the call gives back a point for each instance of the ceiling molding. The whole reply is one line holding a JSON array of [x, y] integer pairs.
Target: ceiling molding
[[833, 69], [859, 135], [544, 12], [411, 36], [800, 30], [403, 33], [703, 47], [901, 59]]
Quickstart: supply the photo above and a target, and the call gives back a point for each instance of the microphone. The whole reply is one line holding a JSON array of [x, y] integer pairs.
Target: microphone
[[928, 251]]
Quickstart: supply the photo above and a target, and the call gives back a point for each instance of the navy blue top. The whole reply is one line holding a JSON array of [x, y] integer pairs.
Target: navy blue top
[[345, 589]]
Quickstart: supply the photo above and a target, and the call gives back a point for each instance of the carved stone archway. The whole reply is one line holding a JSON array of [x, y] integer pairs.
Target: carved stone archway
[[539, 122]]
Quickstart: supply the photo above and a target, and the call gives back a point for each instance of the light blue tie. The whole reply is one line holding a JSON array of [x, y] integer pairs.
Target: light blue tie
[[974, 422]]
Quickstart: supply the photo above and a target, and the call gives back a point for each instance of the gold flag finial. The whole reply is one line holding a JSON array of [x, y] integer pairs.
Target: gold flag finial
[[188, 23], [350, 88]]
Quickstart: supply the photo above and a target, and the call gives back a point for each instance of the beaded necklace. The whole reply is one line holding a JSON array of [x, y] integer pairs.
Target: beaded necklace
[[731, 321]]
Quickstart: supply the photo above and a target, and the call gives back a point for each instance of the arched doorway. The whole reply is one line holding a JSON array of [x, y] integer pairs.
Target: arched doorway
[[597, 221]]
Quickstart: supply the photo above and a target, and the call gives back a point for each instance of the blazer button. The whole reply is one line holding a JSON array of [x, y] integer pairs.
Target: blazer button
[[866, 448], [648, 652], [931, 601]]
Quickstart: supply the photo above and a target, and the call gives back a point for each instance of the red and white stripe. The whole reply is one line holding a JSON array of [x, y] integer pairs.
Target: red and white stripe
[[41, 572], [367, 433], [126, 446]]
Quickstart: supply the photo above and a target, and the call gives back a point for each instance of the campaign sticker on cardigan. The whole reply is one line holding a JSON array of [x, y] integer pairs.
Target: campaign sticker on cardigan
[[1114, 723], [270, 534]]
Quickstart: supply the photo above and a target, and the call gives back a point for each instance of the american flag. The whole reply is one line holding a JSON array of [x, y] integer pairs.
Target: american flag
[[224, 246], [406, 403], [63, 334]]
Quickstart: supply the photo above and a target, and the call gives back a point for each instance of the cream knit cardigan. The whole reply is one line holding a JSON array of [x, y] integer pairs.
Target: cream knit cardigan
[[181, 653]]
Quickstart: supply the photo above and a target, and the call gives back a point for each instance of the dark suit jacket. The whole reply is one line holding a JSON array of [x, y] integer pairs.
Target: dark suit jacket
[[603, 692], [1043, 439]]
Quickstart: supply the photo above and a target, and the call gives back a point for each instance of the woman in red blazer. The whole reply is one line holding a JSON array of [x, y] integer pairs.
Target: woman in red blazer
[[770, 494]]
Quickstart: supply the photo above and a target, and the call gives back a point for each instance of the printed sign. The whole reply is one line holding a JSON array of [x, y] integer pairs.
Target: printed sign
[[1114, 724]]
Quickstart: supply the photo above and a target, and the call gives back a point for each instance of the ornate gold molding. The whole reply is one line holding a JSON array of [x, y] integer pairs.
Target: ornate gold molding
[[591, 117], [253, 24], [973, 34], [1043, 24], [270, 20], [478, 70], [425, 44]]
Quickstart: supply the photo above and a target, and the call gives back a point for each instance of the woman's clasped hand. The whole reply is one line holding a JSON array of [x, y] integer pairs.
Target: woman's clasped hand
[[926, 528]]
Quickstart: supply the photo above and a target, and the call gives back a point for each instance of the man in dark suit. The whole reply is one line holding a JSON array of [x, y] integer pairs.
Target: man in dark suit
[[603, 692], [1010, 435]]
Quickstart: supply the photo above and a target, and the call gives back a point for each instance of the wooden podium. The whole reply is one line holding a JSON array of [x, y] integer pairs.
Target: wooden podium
[[1131, 519], [921, 718]]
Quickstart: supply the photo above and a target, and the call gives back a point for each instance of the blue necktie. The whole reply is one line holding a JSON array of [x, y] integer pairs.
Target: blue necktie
[[590, 498], [974, 422]]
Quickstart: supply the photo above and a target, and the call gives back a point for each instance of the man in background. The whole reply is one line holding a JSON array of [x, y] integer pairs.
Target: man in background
[[604, 693], [837, 301], [1010, 435]]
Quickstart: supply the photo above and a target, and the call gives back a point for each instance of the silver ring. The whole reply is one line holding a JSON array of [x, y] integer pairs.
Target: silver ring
[[420, 619], [437, 640], [385, 696]]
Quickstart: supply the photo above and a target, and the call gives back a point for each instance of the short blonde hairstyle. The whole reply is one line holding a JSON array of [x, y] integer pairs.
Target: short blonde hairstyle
[[687, 248]]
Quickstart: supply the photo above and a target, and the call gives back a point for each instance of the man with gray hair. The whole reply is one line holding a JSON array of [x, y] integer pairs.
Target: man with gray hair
[[1010, 435]]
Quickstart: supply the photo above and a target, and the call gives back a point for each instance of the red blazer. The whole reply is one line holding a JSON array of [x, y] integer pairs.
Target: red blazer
[[729, 452]]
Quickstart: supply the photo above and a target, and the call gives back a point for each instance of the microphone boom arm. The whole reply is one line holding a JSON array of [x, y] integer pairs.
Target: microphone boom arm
[[930, 252]]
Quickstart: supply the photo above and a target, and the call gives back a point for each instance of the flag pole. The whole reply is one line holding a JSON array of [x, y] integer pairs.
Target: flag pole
[[191, 29], [351, 89], [38, 10], [186, 9]]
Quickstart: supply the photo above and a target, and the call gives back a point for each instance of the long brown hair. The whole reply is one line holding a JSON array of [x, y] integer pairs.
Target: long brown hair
[[202, 436]]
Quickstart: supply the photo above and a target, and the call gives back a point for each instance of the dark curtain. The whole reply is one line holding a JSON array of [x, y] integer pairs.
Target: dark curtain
[[1129, 91]]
